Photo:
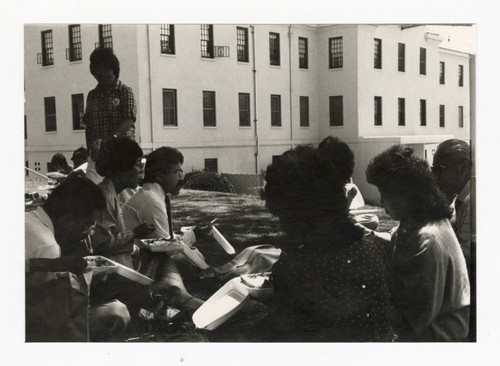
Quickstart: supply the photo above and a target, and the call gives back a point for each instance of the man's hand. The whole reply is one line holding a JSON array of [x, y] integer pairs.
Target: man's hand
[[143, 230]]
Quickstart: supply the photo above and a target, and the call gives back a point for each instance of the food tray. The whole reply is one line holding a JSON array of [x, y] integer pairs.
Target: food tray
[[222, 241], [162, 245], [221, 306], [258, 284], [124, 271], [100, 265]]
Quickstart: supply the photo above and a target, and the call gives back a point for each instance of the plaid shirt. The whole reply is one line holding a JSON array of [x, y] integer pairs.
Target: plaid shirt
[[106, 110]]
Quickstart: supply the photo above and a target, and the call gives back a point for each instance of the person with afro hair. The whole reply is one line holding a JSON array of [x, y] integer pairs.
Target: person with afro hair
[[430, 293]]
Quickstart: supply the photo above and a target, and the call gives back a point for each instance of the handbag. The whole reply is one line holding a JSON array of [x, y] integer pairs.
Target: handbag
[[254, 259], [57, 310]]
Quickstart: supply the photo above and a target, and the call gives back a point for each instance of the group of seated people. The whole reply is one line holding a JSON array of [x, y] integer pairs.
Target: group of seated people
[[337, 279]]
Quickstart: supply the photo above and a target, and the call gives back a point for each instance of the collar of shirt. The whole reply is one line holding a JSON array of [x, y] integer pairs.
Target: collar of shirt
[[117, 85], [156, 189], [40, 213]]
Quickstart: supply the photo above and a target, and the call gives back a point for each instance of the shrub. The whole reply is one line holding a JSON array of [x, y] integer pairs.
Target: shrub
[[208, 181]]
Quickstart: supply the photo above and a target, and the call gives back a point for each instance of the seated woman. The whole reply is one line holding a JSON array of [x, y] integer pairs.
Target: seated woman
[[429, 284], [330, 283]]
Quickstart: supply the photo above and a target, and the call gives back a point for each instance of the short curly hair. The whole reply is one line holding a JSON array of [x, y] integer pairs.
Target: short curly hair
[[58, 159], [340, 154], [103, 56], [304, 185], [117, 155], [398, 173]]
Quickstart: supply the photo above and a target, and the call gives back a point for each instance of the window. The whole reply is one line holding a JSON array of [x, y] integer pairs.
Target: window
[[209, 109], [401, 112], [441, 115], [50, 114], [78, 110], [47, 48], [401, 57], [207, 41], [242, 44], [276, 110], [378, 111], [105, 37], [423, 61], [37, 166], [75, 42], [441, 72], [244, 108], [460, 116], [336, 53], [304, 111], [211, 165], [274, 48], [460, 75], [169, 107], [167, 39], [337, 110], [423, 112], [303, 56], [25, 127], [377, 53]]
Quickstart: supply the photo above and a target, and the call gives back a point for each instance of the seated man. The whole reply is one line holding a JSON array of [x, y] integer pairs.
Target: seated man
[[52, 244], [60, 165], [79, 159], [151, 204], [342, 157]]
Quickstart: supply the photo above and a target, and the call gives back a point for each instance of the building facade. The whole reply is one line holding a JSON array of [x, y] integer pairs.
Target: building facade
[[231, 97]]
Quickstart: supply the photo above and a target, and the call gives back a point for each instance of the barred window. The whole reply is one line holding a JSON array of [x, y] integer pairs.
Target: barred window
[[460, 75], [207, 41], [303, 53], [47, 48], [401, 112], [423, 61], [441, 72], [75, 42], [335, 52], [401, 57], [242, 44], [77, 107], [460, 116], [211, 165], [167, 39], [169, 107], [209, 109], [244, 109], [304, 111], [378, 111], [274, 48], [441, 115], [276, 110], [337, 110], [377, 53], [423, 112], [105, 36], [50, 114]]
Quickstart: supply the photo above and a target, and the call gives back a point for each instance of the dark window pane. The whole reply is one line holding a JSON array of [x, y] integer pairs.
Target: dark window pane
[[423, 61], [209, 109], [336, 53], [303, 53], [337, 110], [377, 54], [304, 111], [75, 43], [211, 165], [378, 111], [242, 44], [274, 48], [167, 39], [401, 57], [47, 48], [276, 110], [244, 109], [169, 107], [207, 41], [50, 114], [105, 36], [423, 112], [78, 110]]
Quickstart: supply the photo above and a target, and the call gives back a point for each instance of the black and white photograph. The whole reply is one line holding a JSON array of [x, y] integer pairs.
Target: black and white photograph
[[296, 190]]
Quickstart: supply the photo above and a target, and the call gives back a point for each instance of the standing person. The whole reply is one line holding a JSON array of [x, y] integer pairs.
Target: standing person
[[430, 292], [111, 108], [452, 167], [52, 244]]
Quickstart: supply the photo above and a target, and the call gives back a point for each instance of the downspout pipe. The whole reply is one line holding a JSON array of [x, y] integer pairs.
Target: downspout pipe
[[150, 90], [290, 82], [255, 120]]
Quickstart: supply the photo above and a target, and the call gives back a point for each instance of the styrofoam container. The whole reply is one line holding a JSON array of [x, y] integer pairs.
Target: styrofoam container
[[194, 257], [221, 305], [99, 264], [130, 273], [222, 241], [258, 284], [162, 245]]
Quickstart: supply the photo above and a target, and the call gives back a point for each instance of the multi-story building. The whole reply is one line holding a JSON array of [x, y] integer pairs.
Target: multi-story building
[[231, 97]]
